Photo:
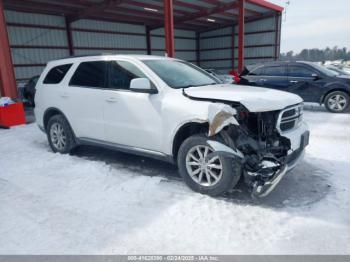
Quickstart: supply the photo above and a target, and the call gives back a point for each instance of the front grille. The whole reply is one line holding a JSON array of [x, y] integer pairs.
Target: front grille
[[289, 113], [287, 126], [289, 118]]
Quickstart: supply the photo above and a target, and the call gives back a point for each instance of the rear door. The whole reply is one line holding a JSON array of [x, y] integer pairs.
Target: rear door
[[302, 81], [83, 99], [274, 77]]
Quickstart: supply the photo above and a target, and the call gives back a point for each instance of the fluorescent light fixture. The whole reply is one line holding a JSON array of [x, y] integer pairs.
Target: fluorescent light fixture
[[150, 9], [211, 20]]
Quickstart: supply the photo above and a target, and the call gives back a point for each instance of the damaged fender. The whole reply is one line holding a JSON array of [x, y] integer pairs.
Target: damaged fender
[[219, 116], [223, 150]]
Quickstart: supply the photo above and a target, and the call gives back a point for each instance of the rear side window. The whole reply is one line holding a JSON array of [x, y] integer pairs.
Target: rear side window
[[90, 74], [256, 72], [275, 71], [56, 74], [299, 71], [122, 73]]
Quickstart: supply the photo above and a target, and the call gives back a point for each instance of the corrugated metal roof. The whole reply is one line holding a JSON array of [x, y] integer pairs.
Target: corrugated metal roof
[[146, 12]]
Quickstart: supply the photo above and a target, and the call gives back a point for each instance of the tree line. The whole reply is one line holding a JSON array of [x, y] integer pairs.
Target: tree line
[[318, 55]]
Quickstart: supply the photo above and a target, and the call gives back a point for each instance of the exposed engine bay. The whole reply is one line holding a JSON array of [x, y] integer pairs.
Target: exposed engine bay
[[256, 140], [265, 151]]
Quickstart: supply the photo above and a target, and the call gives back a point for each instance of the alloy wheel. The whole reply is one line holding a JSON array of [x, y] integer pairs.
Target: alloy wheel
[[203, 170], [337, 102], [58, 136]]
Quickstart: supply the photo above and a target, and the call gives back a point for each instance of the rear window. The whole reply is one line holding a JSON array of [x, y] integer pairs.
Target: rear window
[[90, 74], [275, 71], [270, 71], [56, 74], [256, 72]]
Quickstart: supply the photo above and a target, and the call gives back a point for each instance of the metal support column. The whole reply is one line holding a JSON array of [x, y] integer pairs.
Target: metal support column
[[198, 47], [241, 7], [169, 28], [148, 41], [233, 47], [8, 85], [277, 35], [69, 37]]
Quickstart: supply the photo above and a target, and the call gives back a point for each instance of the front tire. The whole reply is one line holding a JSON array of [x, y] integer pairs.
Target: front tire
[[337, 102], [213, 176], [60, 135]]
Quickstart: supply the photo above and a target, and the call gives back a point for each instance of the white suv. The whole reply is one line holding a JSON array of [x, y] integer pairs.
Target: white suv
[[174, 111]]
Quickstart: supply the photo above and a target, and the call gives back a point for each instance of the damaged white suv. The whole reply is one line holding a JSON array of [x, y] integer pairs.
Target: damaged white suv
[[172, 110]]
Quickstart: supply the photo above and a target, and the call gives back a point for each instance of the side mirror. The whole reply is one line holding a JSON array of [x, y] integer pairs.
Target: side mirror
[[315, 76], [142, 85]]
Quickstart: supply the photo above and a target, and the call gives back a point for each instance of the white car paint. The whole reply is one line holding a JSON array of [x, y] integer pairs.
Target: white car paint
[[255, 99], [145, 121]]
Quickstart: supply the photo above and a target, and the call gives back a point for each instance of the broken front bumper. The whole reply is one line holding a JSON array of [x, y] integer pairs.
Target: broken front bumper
[[299, 139]]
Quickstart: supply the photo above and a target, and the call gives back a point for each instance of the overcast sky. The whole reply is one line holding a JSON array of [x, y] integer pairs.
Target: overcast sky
[[315, 24]]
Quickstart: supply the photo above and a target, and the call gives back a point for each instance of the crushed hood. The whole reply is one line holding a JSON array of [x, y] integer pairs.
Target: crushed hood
[[255, 99]]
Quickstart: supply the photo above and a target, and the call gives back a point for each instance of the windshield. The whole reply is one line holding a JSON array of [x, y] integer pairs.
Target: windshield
[[336, 69], [180, 74]]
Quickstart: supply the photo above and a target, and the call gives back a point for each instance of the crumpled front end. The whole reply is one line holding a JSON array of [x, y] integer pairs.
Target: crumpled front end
[[268, 144]]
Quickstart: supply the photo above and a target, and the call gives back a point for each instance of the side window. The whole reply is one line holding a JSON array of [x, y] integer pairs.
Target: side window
[[121, 74], [56, 74], [275, 71], [90, 74], [299, 71]]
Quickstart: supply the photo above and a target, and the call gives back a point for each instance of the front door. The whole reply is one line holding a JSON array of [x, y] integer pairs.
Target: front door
[[274, 77], [302, 81], [131, 119]]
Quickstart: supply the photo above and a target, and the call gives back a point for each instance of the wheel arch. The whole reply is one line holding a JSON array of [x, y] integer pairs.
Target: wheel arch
[[185, 131], [335, 89], [52, 111]]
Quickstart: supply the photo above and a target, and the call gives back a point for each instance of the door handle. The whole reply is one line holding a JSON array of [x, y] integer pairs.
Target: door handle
[[293, 81], [263, 80], [111, 100], [64, 95]]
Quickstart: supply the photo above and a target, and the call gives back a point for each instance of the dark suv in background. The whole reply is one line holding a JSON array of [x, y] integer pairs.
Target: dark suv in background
[[312, 82]]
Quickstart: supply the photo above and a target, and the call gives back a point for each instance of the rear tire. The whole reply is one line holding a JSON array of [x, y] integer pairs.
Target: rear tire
[[224, 173], [337, 102], [60, 135]]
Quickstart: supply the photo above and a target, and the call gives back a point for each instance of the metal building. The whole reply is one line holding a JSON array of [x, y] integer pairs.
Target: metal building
[[219, 34]]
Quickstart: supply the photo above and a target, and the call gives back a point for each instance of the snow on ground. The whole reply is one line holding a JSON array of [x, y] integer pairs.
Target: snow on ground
[[103, 202]]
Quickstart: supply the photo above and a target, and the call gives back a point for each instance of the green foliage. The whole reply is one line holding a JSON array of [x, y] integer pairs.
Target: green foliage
[[318, 55]]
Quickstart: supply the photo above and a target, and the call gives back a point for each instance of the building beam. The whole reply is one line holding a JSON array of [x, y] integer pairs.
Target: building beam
[[205, 12], [94, 8], [198, 49], [169, 28], [148, 40], [266, 4], [7, 77], [277, 35], [233, 46], [241, 21], [69, 37]]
